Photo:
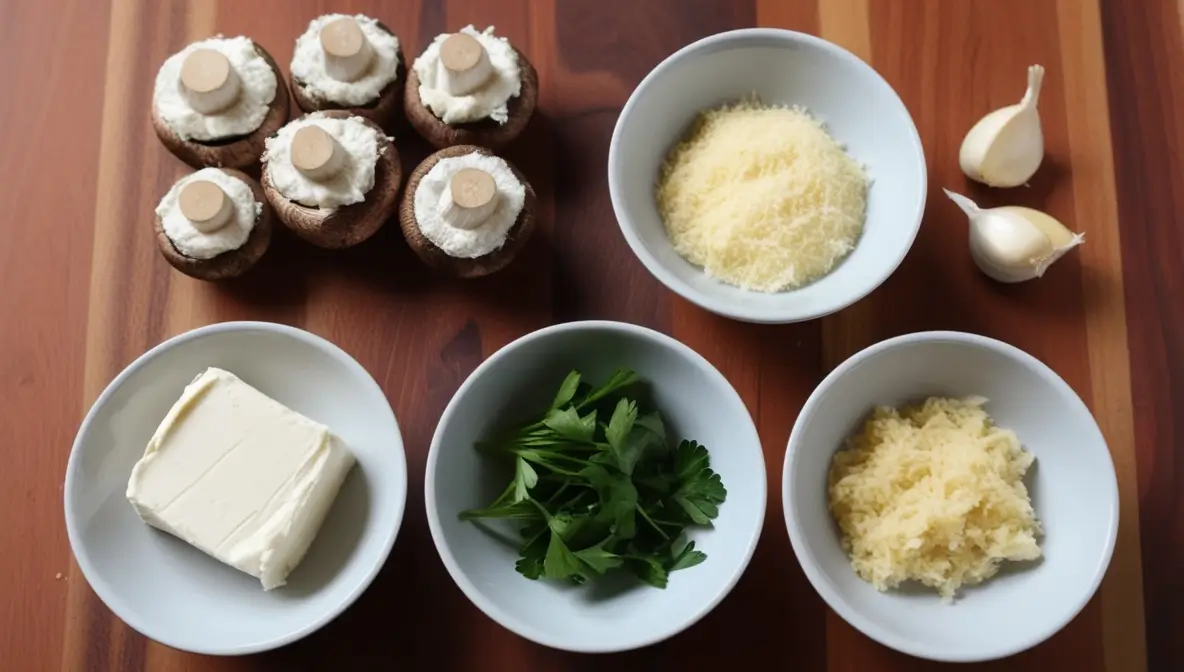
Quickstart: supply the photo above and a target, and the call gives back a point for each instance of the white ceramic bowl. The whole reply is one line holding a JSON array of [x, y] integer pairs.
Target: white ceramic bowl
[[1072, 485], [518, 381], [860, 109], [174, 593]]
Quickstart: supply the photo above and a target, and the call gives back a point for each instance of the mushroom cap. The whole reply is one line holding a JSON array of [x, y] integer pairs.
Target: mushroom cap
[[350, 224], [383, 111], [232, 263], [239, 151], [486, 132], [432, 255]]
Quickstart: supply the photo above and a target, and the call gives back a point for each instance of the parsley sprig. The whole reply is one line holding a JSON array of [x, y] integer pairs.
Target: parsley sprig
[[591, 496]]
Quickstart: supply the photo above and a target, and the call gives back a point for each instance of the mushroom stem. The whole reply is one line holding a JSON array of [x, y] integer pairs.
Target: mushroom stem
[[208, 82], [205, 205], [316, 154], [464, 64], [469, 199], [347, 51]]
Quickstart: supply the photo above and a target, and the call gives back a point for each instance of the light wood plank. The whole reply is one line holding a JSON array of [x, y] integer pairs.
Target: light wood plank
[[82, 629], [1096, 207]]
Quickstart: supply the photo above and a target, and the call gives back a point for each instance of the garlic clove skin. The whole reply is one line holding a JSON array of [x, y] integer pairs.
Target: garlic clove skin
[[1012, 243], [1059, 235], [1004, 247], [1006, 147]]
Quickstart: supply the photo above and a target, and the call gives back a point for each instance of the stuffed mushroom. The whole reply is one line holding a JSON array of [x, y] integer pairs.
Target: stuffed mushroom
[[467, 212], [471, 88], [351, 63], [214, 224], [217, 100], [332, 178]]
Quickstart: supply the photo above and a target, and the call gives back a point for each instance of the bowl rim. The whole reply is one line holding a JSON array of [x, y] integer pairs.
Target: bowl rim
[[110, 596], [495, 612], [688, 292], [865, 625]]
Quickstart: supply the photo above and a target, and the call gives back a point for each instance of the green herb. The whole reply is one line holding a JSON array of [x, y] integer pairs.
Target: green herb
[[592, 496]]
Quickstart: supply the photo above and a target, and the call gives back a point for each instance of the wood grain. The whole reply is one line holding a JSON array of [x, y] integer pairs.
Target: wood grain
[[1095, 205], [1144, 50], [86, 292], [45, 250]]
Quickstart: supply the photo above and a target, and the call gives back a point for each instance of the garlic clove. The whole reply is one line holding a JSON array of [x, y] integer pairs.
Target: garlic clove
[[1006, 147], [469, 199], [1013, 243]]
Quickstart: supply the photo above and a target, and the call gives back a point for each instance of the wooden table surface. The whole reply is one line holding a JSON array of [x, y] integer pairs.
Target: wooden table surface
[[83, 291]]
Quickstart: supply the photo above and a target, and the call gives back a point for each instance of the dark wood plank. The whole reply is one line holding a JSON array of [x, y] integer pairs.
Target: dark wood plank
[[1145, 55]]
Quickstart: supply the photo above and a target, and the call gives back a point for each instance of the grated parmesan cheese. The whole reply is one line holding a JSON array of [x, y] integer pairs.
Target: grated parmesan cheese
[[762, 197], [933, 493]]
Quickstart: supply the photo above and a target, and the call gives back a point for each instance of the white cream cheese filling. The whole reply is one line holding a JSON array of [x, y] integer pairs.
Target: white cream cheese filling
[[258, 88], [490, 235], [308, 64], [239, 476], [490, 100], [349, 185], [196, 244]]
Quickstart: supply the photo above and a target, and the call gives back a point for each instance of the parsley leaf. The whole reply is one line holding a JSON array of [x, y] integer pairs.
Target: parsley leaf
[[652, 422], [684, 555], [588, 497], [621, 378], [566, 391], [689, 460], [560, 562], [618, 501], [525, 478], [618, 429], [649, 570], [647, 433], [534, 551], [598, 559], [518, 511], [569, 425], [700, 490]]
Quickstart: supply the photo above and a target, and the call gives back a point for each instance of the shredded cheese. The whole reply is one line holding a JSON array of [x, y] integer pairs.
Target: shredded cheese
[[933, 493], [762, 197]]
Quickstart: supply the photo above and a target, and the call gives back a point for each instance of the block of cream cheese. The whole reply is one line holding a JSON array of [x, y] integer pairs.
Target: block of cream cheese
[[239, 476]]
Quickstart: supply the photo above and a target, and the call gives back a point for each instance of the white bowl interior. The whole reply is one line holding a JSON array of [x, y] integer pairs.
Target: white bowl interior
[[860, 110], [176, 594], [517, 382], [1072, 485]]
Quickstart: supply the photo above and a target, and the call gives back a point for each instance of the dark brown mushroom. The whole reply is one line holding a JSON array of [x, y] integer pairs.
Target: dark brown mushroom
[[486, 132], [350, 224], [432, 255], [383, 111], [236, 152], [228, 264]]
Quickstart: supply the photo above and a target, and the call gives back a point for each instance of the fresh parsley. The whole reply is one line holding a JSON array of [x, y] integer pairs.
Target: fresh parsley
[[591, 496]]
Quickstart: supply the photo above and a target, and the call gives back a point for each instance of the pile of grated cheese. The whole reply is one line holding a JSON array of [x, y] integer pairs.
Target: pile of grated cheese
[[762, 197], [933, 493]]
